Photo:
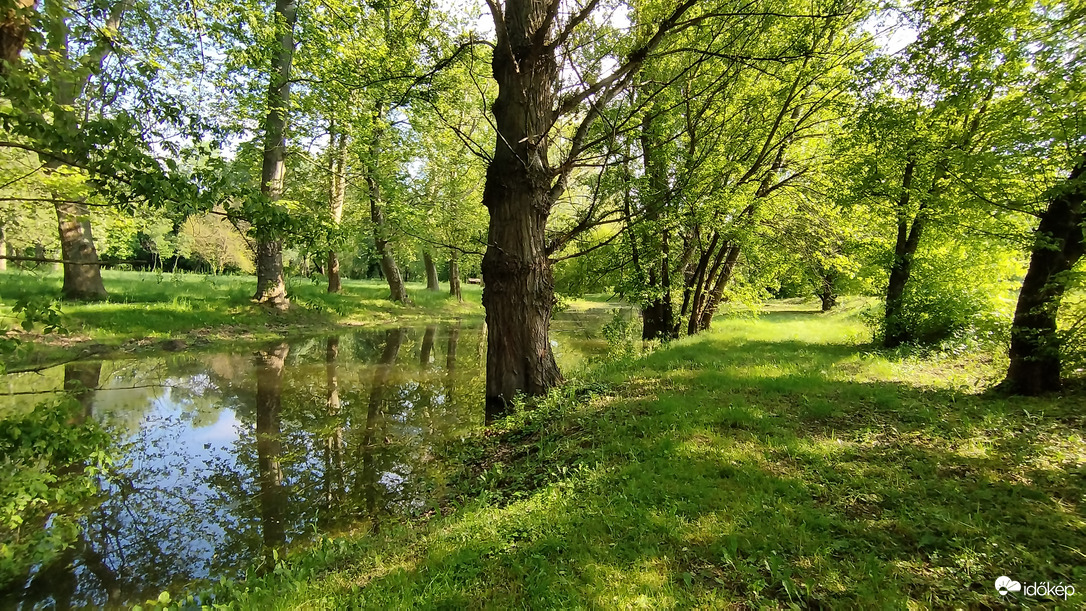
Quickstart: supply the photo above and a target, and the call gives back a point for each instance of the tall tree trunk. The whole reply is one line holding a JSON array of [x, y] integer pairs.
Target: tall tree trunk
[[454, 276], [3, 248], [895, 331], [391, 271], [1058, 245], [432, 283], [270, 288], [522, 187], [337, 195], [82, 274], [658, 316], [519, 291], [272, 497]]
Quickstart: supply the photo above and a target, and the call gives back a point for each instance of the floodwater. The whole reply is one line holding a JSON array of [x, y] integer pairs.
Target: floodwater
[[228, 455]]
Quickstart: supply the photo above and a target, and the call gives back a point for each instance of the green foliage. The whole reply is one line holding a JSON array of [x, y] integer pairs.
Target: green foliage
[[953, 301], [53, 461], [622, 335]]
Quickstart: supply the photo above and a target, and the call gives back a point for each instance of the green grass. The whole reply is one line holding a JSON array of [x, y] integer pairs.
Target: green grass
[[145, 306], [772, 463]]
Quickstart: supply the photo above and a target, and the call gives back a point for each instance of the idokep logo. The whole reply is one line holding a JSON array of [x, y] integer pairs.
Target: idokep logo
[[1005, 585]]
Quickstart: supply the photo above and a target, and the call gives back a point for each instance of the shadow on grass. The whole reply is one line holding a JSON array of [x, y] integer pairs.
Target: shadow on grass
[[733, 472]]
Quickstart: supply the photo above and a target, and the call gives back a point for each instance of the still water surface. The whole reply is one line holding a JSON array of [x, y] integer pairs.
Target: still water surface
[[226, 455]]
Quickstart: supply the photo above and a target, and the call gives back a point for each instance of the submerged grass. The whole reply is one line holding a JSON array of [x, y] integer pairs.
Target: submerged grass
[[144, 306], [775, 462]]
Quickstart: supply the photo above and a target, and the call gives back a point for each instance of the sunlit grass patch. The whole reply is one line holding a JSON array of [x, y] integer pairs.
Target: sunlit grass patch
[[776, 462]]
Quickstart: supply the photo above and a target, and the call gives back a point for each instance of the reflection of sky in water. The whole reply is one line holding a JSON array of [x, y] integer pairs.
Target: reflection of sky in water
[[187, 503]]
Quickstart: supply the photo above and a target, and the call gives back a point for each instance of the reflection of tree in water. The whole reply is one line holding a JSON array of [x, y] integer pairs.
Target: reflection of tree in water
[[333, 443], [311, 443], [128, 549], [269, 399]]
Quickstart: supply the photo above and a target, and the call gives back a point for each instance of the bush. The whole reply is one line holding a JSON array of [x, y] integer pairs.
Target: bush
[[949, 304], [49, 472]]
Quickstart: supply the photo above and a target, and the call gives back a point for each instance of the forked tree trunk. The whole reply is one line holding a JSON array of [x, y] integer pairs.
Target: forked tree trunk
[[519, 291], [396, 287], [454, 276], [895, 331], [712, 301], [337, 195], [270, 288], [1058, 245], [432, 283]]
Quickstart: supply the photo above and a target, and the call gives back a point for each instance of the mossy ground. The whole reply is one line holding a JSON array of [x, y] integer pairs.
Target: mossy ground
[[774, 462]]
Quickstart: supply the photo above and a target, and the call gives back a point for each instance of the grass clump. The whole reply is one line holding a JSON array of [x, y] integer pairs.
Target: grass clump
[[774, 463]]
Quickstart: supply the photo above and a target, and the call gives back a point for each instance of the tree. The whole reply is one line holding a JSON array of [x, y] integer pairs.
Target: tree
[[270, 288], [337, 195], [523, 183], [1059, 244], [1043, 137]]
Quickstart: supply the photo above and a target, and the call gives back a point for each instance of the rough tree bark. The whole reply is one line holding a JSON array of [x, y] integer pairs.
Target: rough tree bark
[[522, 186], [1058, 245], [270, 288], [337, 195], [397, 288], [519, 291], [432, 283], [14, 26], [454, 276]]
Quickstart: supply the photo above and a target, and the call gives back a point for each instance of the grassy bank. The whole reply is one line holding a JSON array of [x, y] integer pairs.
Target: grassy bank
[[145, 308], [771, 463]]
